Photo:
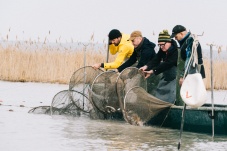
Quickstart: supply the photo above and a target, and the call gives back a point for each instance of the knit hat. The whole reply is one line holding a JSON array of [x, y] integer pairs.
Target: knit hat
[[114, 34], [177, 29], [164, 36], [135, 34]]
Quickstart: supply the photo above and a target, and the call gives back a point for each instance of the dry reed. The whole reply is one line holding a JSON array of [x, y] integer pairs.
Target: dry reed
[[28, 62], [46, 64]]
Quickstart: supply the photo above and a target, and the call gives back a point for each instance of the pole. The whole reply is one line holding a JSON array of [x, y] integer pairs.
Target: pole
[[107, 53], [85, 48], [182, 126], [212, 88]]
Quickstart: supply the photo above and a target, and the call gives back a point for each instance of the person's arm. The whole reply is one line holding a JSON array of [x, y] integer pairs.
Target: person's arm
[[170, 62], [146, 55], [122, 54], [128, 63], [155, 61], [200, 61]]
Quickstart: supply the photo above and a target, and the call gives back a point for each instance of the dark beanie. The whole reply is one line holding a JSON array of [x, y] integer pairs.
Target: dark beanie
[[114, 34], [164, 36]]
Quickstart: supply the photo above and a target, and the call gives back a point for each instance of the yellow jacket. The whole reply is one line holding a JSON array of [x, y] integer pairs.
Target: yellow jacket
[[124, 50]]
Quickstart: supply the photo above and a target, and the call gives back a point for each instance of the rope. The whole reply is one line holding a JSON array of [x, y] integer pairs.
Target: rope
[[194, 54]]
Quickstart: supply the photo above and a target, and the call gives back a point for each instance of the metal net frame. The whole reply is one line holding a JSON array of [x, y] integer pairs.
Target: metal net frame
[[127, 79], [103, 93], [63, 104], [139, 106], [82, 78]]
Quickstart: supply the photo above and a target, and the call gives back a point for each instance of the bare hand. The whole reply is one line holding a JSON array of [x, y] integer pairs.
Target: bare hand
[[181, 81], [148, 73], [143, 68], [97, 65]]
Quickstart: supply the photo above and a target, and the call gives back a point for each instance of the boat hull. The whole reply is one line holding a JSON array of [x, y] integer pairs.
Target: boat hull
[[196, 120]]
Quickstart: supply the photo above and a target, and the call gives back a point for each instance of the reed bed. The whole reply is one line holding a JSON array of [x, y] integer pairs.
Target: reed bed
[[31, 62], [219, 74], [45, 64]]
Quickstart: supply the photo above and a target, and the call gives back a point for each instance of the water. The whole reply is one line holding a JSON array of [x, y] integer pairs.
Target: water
[[22, 131]]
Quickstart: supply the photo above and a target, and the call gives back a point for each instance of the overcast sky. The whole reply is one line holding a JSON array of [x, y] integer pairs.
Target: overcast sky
[[79, 19]]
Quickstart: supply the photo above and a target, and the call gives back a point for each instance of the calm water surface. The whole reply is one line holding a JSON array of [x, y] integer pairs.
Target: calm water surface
[[22, 131]]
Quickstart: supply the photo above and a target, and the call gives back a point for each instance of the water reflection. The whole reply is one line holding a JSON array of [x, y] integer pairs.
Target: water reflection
[[25, 132]]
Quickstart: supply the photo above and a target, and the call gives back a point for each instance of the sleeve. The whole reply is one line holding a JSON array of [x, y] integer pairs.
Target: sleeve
[[128, 63], [122, 54], [146, 55], [200, 61], [200, 56], [170, 62], [155, 61], [113, 49]]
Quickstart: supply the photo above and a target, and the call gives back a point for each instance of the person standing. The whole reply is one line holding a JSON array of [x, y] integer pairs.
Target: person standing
[[186, 40], [143, 51], [118, 44], [165, 62]]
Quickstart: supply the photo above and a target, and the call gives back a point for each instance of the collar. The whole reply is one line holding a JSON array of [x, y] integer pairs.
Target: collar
[[139, 46], [185, 37]]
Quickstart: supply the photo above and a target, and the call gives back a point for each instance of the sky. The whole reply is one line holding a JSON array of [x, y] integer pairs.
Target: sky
[[78, 20]]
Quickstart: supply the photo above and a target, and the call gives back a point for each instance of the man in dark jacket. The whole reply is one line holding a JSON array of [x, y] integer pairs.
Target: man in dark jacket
[[165, 62], [185, 40], [143, 51], [166, 57]]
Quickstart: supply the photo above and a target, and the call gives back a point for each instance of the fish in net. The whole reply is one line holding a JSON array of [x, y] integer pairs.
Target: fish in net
[[127, 79], [139, 106], [103, 93], [62, 103]]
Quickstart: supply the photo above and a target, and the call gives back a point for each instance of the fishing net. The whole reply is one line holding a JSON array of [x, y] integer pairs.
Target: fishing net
[[127, 79], [103, 93], [139, 106], [82, 79], [40, 110], [62, 103]]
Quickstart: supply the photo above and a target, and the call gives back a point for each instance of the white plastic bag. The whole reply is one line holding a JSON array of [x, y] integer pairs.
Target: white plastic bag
[[193, 91]]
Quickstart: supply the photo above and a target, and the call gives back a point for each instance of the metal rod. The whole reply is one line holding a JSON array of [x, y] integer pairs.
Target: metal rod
[[182, 125], [212, 87], [107, 53], [85, 48]]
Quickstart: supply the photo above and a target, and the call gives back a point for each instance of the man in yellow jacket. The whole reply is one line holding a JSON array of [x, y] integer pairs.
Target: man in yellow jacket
[[118, 44]]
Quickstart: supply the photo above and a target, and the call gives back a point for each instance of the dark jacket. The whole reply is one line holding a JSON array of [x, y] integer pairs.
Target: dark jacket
[[143, 53], [186, 47], [164, 60]]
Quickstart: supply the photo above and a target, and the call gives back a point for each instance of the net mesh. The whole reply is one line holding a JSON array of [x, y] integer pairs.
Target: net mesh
[[83, 78], [140, 106], [103, 92], [127, 79], [40, 110], [100, 94], [62, 103]]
